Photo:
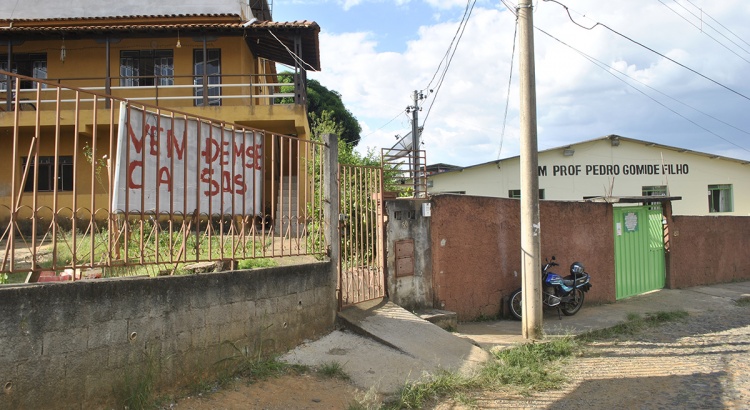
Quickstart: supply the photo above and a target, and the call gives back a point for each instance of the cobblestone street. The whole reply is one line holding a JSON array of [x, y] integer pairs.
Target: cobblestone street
[[702, 362]]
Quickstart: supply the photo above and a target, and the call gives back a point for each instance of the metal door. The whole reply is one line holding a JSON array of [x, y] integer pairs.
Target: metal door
[[361, 273], [639, 250]]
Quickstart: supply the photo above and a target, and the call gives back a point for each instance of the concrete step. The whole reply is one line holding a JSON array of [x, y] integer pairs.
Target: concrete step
[[440, 318]]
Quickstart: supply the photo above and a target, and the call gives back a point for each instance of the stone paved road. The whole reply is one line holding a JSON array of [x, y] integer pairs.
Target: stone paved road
[[702, 362]]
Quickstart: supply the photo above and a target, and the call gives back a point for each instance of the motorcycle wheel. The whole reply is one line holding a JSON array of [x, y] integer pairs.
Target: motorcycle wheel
[[514, 304], [572, 307]]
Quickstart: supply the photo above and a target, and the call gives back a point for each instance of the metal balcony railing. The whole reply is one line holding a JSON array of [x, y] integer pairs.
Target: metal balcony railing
[[167, 91]]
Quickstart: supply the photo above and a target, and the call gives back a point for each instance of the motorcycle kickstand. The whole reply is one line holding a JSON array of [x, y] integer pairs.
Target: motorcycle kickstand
[[559, 312]]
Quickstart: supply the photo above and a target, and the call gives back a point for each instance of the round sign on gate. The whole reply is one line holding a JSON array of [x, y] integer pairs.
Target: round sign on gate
[[631, 221]]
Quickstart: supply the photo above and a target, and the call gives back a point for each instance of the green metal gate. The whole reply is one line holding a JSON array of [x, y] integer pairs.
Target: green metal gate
[[639, 250]]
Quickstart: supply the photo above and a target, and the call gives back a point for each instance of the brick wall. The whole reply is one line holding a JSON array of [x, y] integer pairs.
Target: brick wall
[[705, 250], [476, 256], [79, 345]]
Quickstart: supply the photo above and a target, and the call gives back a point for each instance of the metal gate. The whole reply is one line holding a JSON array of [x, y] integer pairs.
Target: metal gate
[[639, 250], [361, 227]]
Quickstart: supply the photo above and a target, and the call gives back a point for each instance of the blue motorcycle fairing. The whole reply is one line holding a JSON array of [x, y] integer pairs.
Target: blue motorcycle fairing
[[554, 279]]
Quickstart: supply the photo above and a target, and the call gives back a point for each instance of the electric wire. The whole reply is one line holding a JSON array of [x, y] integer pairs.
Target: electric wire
[[712, 27], [651, 50], [448, 64], [450, 46], [291, 53], [717, 22], [507, 96], [704, 32], [385, 125], [607, 69]]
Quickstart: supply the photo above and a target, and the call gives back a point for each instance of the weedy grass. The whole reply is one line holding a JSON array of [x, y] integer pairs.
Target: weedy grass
[[743, 301], [333, 370], [633, 324], [533, 366]]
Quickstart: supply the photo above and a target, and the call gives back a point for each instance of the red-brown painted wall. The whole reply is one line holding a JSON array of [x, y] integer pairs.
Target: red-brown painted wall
[[704, 250], [476, 249]]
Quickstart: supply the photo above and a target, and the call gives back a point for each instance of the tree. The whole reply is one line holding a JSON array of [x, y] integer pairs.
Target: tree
[[319, 100]]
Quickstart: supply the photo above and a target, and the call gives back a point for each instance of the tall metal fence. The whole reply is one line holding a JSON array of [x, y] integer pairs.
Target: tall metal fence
[[100, 185]]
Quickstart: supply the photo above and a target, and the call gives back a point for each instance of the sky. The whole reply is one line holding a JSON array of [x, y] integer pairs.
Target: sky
[[590, 82]]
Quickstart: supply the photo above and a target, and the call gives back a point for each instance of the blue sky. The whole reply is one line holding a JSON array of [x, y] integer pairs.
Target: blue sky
[[376, 53]]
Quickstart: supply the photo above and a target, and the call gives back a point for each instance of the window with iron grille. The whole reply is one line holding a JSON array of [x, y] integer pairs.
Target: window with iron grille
[[142, 68], [46, 173], [654, 190], [211, 69], [720, 198], [516, 194], [28, 64]]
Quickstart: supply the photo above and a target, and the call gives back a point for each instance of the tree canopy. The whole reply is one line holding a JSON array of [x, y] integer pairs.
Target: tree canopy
[[321, 100]]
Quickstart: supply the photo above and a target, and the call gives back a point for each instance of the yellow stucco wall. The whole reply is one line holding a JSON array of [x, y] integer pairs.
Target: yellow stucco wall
[[85, 66]]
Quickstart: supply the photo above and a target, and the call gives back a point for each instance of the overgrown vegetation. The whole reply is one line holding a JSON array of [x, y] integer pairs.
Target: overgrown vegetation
[[522, 369], [743, 301], [529, 367], [173, 249], [137, 390], [333, 370]]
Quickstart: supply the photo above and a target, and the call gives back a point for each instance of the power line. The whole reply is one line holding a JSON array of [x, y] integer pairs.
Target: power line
[[450, 46], [385, 125], [651, 50], [702, 31], [448, 64], [507, 97], [717, 22], [296, 58], [595, 61]]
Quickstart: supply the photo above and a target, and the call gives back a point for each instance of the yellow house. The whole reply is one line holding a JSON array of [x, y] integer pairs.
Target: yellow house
[[215, 61]]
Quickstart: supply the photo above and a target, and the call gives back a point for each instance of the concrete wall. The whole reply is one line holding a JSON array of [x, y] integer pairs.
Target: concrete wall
[[476, 257], [405, 221], [83, 344], [704, 250]]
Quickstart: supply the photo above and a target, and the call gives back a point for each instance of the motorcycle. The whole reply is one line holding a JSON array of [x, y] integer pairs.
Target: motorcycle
[[567, 294]]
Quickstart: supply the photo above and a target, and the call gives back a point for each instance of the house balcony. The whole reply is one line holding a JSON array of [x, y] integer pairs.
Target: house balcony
[[273, 102]]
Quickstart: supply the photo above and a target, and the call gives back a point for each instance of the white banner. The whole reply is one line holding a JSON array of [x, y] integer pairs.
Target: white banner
[[183, 166]]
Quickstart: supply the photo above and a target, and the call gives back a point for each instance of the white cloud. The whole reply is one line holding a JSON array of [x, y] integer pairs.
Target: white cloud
[[576, 100]]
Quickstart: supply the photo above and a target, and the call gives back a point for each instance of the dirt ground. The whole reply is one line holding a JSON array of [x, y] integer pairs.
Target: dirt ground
[[288, 392]]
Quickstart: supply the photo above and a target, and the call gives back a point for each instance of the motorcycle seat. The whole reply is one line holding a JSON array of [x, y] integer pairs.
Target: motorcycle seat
[[580, 280]]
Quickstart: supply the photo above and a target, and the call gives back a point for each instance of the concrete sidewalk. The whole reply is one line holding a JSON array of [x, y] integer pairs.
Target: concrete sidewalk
[[392, 346], [591, 317]]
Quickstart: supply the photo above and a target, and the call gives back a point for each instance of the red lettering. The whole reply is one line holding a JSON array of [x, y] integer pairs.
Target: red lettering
[[253, 157], [165, 178], [153, 134], [238, 149], [137, 143], [211, 151], [226, 179], [131, 169], [224, 153], [239, 182], [213, 186], [174, 144]]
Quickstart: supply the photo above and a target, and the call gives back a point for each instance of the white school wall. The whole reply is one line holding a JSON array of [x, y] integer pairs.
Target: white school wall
[[627, 168]]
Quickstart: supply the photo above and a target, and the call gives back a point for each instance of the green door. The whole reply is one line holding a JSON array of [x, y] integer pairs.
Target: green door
[[639, 250]]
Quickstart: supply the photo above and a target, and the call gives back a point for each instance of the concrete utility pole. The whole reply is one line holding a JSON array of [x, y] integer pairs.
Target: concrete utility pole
[[414, 109], [530, 229]]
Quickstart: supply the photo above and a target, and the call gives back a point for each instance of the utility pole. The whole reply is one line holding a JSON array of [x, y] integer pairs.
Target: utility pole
[[530, 229], [415, 131]]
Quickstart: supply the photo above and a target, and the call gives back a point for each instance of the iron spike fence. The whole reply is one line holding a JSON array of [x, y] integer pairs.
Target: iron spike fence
[[99, 185]]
